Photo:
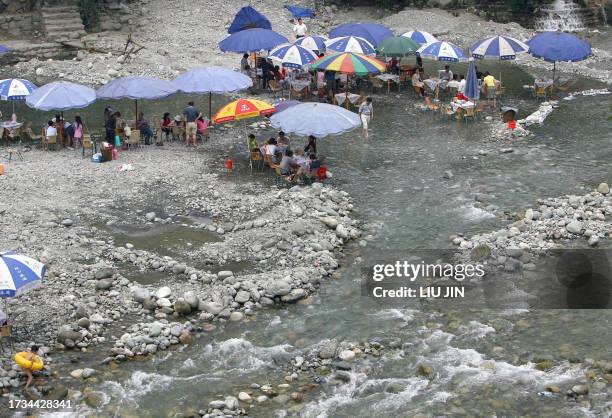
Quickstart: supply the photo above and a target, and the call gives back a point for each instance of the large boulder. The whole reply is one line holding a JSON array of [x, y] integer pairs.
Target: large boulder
[[278, 288], [163, 292], [211, 307], [69, 335], [191, 298], [182, 307], [139, 294]]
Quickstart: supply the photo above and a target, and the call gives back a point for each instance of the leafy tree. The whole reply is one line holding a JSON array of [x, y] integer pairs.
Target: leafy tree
[[90, 13]]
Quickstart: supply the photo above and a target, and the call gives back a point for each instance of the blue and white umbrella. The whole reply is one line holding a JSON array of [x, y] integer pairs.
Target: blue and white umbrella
[[312, 42], [421, 37], [18, 274], [293, 56], [352, 44], [15, 89], [472, 90], [442, 51], [499, 47]]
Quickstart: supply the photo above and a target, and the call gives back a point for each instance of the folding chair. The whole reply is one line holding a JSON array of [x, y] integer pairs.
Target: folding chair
[[87, 144]]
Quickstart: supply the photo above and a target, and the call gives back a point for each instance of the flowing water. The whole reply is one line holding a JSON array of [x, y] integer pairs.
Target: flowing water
[[482, 358], [560, 16]]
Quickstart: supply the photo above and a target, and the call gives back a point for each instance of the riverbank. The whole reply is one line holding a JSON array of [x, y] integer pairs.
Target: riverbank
[[222, 248]]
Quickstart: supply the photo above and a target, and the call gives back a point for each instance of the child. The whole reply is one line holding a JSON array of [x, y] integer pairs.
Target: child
[[31, 356]]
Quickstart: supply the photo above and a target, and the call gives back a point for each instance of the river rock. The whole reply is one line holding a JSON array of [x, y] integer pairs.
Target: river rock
[[67, 222], [87, 372], [580, 389], [103, 274], [211, 307], [139, 294], [223, 274], [182, 307], [163, 292], [346, 355], [342, 231], [236, 316], [179, 268], [603, 188], [327, 349], [81, 312], [330, 222], [242, 296], [574, 227], [191, 298], [216, 404], [343, 376], [186, 337], [244, 397], [104, 284], [164, 303], [278, 288], [593, 240], [76, 373], [231, 403], [150, 216], [69, 335], [84, 323], [294, 295], [94, 399], [425, 370], [155, 330]]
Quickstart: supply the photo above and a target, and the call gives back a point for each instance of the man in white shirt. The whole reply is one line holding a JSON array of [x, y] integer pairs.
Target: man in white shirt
[[51, 131], [462, 84], [445, 74], [300, 30]]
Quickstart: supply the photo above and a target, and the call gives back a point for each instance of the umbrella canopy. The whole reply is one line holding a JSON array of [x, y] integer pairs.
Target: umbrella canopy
[[298, 12], [18, 274], [285, 104], [559, 46], [252, 40], [398, 46], [312, 42], [349, 63], [374, 33], [16, 89], [472, 91], [4, 49], [351, 44], [216, 80], [61, 95], [499, 47], [243, 109], [420, 37], [442, 51], [136, 87], [249, 18], [317, 119], [293, 56]]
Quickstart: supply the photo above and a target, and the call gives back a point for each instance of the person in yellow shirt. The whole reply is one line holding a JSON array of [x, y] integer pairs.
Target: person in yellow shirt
[[491, 84]]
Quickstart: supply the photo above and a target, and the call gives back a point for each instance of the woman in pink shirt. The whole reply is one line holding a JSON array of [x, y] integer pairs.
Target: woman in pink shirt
[[78, 130]]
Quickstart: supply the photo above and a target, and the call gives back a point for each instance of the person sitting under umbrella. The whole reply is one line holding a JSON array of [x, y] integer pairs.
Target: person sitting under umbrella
[[145, 130]]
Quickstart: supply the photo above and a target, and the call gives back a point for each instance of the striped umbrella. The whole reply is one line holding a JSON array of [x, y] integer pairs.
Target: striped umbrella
[[243, 109], [18, 274], [442, 51], [420, 37], [293, 56], [14, 89], [353, 44], [499, 47], [472, 90], [349, 63], [312, 42]]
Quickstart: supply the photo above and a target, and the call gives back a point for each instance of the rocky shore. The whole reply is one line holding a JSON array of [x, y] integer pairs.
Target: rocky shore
[[288, 238]]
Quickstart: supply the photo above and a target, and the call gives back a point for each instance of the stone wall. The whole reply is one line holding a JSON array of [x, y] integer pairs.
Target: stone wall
[[19, 25]]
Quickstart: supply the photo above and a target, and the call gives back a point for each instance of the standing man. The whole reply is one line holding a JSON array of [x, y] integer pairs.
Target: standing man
[[366, 112], [300, 30], [191, 116]]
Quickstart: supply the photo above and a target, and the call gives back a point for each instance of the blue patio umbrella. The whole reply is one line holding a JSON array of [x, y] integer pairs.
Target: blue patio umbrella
[[252, 40], [18, 274], [472, 91], [317, 119], [61, 95], [211, 80], [298, 12], [4, 49], [374, 33], [136, 87], [249, 18], [558, 47]]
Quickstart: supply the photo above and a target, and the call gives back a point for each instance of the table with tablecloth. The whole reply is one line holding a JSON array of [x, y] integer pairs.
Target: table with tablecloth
[[341, 98], [461, 105], [389, 78], [299, 84], [434, 83]]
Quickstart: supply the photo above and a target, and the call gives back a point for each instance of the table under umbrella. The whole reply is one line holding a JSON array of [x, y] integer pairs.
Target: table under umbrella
[[211, 80], [242, 109], [135, 88]]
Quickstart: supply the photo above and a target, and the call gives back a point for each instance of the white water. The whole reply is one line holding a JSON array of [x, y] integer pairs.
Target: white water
[[561, 16]]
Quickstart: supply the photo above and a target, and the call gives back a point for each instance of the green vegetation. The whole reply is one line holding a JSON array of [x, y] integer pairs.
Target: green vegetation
[[90, 13]]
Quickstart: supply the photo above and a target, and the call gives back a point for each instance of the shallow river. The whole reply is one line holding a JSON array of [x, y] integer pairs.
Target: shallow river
[[481, 358]]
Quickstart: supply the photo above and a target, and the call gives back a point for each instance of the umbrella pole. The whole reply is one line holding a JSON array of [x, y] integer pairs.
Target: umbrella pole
[[210, 106], [136, 115]]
